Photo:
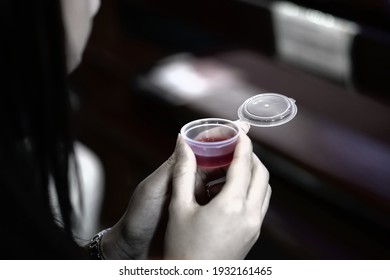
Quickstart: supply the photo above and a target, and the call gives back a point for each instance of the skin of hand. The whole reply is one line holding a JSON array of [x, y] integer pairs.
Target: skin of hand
[[142, 226], [228, 225], [143, 222]]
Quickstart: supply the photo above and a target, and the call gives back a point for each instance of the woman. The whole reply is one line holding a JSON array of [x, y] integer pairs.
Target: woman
[[43, 41]]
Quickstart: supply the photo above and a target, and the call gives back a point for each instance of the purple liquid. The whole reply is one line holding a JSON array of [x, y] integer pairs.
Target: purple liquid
[[215, 161], [224, 157]]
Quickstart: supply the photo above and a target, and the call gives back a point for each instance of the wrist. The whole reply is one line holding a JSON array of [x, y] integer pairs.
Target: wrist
[[95, 245], [114, 245]]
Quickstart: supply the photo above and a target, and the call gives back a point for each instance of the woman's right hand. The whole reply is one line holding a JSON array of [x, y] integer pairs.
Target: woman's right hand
[[226, 227]]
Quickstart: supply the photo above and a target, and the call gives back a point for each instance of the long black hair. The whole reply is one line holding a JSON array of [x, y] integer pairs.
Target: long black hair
[[35, 138]]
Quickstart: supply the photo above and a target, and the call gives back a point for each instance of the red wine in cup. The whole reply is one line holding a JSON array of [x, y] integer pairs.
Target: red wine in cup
[[221, 160]]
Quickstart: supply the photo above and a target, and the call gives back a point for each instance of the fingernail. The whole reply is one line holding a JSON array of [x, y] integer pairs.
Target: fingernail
[[244, 126], [178, 142]]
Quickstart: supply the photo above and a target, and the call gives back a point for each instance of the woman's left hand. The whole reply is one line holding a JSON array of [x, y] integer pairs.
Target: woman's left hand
[[135, 235]]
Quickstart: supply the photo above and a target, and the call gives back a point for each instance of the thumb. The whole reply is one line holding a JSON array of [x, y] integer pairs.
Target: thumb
[[184, 173], [156, 184]]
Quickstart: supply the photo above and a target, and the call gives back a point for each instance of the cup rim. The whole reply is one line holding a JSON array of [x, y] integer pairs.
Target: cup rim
[[218, 143]]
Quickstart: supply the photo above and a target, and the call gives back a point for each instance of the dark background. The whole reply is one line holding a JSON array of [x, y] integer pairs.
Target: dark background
[[329, 168]]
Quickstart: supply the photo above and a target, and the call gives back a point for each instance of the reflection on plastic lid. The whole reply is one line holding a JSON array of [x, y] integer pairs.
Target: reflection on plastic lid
[[267, 109]]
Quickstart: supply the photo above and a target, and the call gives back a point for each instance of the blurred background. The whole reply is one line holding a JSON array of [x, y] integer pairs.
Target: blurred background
[[151, 66]]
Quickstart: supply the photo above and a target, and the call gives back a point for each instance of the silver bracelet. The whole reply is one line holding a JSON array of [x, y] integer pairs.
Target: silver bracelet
[[95, 250]]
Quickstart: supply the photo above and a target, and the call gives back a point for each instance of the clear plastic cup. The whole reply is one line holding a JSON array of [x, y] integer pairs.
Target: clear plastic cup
[[212, 140]]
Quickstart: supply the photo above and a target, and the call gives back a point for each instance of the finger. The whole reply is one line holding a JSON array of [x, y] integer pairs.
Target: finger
[[244, 126], [259, 183], [205, 178], [266, 201], [184, 174], [156, 184], [214, 187], [239, 173]]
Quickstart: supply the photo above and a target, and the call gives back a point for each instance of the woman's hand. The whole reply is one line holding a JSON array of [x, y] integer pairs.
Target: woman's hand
[[140, 232], [227, 226]]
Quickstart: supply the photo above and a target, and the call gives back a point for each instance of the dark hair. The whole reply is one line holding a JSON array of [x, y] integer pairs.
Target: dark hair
[[35, 142]]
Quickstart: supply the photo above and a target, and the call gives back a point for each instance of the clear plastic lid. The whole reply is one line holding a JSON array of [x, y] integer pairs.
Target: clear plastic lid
[[267, 109]]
